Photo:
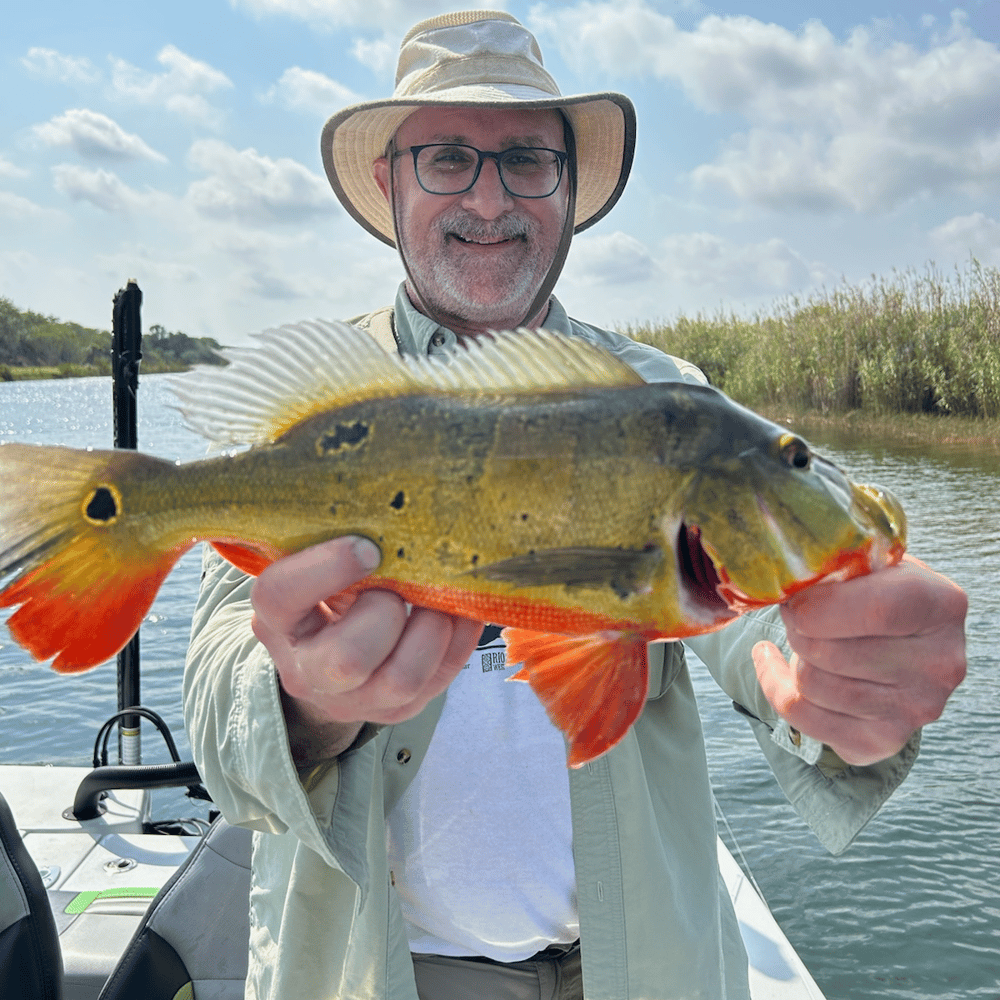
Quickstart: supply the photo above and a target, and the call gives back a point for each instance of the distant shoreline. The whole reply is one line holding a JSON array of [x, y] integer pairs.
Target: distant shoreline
[[902, 428], [35, 373]]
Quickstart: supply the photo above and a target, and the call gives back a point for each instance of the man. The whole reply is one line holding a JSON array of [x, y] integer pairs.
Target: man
[[420, 834]]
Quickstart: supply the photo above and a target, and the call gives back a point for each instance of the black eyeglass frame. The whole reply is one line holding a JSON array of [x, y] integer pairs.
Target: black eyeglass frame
[[561, 159]]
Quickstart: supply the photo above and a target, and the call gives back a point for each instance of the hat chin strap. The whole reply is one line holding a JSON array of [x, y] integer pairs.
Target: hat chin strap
[[555, 268]]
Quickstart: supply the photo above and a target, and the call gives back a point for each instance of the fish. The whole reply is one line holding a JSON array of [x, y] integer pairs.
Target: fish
[[528, 478]]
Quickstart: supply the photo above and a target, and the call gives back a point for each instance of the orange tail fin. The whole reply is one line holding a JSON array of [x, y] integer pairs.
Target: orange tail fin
[[592, 686], [85, 618], [85, 582]]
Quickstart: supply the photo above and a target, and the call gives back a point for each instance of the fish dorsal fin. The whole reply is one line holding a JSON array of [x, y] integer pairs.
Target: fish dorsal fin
[[300, 370]]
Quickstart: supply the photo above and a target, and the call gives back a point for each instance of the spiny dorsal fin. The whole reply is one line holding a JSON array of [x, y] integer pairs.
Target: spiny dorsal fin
[[307, 368]]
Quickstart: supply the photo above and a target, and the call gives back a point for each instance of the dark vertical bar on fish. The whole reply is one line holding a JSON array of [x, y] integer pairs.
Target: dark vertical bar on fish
[[126, 353]]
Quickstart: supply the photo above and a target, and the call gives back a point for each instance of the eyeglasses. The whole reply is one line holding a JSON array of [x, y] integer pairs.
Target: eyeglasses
[[452, 168]]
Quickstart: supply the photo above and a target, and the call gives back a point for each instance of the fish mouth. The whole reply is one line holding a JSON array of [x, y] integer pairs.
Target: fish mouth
[[698, 574]]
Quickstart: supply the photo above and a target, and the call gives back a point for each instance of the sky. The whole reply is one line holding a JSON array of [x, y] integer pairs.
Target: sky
[[782, 149]]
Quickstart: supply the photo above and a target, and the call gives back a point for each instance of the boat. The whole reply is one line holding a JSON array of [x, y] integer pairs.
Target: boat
[[97, 902]]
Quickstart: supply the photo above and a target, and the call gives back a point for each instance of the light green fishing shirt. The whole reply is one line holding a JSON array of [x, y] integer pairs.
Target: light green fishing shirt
[[656, 921]]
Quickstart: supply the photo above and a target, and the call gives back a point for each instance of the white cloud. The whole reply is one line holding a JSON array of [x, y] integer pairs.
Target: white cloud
[[974, 235], [49, 64], [94, 136], [397, 15], [248, 187], [103, 189], [699, 261], [307, 90], [858, 123], [745, 269], [379, 56], [612, 259], [8, 169], [180, 88], [13, 206]]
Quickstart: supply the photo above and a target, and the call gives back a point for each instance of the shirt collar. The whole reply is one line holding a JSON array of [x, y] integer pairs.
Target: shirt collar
[[418, 334]]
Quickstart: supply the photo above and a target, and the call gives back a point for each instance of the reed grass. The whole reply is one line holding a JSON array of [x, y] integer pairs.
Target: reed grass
[[907, 344]]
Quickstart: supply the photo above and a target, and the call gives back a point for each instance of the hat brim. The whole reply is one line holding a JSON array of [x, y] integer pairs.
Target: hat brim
[[603, 127]]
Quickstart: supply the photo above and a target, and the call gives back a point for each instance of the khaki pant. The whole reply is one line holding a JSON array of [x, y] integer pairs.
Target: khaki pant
[[553, 974]]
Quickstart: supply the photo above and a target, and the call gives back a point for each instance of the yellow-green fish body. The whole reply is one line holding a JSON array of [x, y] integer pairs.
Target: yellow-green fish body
[[530, 480]]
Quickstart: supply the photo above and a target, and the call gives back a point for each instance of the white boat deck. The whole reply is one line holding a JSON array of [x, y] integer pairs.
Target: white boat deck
[[106, 872]]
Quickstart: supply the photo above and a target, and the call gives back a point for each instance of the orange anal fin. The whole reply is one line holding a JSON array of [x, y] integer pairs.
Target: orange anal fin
[[82, 612], [251, 561], [592, 686]]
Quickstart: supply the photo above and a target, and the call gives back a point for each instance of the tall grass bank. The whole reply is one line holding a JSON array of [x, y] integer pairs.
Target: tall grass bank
[[909, 344]]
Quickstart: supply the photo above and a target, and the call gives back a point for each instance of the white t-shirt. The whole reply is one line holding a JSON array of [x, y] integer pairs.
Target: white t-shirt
[[481, 843]]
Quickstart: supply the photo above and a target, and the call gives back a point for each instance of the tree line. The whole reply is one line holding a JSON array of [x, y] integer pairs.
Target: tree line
[[45, 345]]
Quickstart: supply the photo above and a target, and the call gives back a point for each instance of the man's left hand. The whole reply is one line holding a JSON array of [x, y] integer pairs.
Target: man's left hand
[[874, 659]]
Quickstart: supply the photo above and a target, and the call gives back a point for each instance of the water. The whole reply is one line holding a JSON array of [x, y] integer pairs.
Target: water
[[912, 909], [52, 718], [910, 912]]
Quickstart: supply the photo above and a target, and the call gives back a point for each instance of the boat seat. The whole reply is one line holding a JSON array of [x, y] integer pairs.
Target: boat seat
[[194, 939], [31, 965]]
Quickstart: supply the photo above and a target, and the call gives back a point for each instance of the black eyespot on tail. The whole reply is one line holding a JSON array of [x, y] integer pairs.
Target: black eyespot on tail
[[398, 500], [102, 506]]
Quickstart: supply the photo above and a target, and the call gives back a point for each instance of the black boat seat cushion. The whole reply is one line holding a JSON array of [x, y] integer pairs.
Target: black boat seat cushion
[[194, 939], [30, 959]]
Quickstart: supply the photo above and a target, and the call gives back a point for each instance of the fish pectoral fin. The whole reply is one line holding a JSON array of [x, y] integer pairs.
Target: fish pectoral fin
[[593, 686], [626, 571]]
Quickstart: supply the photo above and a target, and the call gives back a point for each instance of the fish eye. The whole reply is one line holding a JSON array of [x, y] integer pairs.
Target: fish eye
[[794, 452]]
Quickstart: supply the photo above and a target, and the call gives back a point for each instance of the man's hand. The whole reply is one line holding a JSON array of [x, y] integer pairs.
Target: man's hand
[[874, 659], [374, 663]]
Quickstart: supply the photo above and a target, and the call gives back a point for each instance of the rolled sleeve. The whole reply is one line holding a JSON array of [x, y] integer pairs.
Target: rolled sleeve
[[836, 800]]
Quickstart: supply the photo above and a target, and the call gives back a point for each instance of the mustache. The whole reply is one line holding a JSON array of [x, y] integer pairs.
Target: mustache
[[459, 223]]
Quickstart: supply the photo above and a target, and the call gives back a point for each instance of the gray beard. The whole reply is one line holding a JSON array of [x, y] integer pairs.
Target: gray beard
[[444, 287]]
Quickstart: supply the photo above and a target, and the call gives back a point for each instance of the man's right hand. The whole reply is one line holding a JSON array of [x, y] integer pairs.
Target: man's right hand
[[375, 663]]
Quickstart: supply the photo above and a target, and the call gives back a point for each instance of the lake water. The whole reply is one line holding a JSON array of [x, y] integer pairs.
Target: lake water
[[910, 912]]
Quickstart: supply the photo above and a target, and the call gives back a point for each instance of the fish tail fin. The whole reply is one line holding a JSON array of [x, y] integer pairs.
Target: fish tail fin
[[592, 686], [84, 580]]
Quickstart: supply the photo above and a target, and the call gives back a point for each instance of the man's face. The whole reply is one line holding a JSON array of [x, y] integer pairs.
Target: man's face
[[478, 258]]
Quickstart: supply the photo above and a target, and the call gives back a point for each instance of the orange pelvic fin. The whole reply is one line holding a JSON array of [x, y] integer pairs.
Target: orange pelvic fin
[[251, 561], [593, 686], [83, 605]]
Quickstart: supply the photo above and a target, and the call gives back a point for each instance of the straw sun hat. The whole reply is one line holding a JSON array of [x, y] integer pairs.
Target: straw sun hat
[[472, 59]]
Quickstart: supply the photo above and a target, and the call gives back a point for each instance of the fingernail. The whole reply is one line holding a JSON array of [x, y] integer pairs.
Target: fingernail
[[367, 553]]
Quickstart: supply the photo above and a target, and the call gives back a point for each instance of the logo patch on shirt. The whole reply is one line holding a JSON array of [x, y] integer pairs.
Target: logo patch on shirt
[[491, 651]]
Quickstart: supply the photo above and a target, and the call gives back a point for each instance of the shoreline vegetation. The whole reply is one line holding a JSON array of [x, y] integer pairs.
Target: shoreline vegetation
[[33, 346], [909, 357]]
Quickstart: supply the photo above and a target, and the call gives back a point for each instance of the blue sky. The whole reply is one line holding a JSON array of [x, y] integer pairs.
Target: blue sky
[[782, 149]]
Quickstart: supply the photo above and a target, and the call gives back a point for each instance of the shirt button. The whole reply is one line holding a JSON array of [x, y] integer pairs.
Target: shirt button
[[438, 340], [403, 756]]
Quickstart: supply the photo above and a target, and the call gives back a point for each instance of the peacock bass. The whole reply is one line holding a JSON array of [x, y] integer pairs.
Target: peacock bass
[[527, 479]]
